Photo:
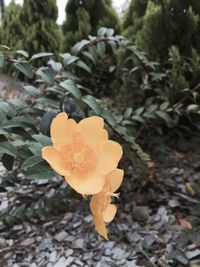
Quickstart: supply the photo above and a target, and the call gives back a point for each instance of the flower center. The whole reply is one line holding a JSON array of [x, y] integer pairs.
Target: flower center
[[79, 156]]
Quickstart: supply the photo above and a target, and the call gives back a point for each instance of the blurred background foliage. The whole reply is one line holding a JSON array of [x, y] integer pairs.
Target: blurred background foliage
[[140, 73]]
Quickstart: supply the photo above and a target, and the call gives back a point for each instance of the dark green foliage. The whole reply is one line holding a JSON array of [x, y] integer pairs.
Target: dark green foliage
[[2, 8], [39, 26], [163, 103], [162, 24], [11, 29], [85, 17], [133, 19]]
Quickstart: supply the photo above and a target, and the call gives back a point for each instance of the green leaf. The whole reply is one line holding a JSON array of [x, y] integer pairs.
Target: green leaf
[[108, 116], [42, 139], [23, 53], [46, 121], [32, 161], [68, 58], [164, 105], [6, 108], [163, 116], [152, 108], [83, 66], [101, 49], [7, 148], [1, 60], [128, 113], [71, 87], [92, 103], [19, 122], [195, 95], [19, 103], [139, 111], [134, 69], [113, 46], [149, 115], [192, 107], [40, 171], [90, 56], [48, 101], [101, 32], [2, 132], [32, 90], [55, 66], [4, 47], [46, 74], [35, 148], [110, 32], [25, 68], [8, 161], [77, 47], [42, 54], [158, 76], [138, 118]]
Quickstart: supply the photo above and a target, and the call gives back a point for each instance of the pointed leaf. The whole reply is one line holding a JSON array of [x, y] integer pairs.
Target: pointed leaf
[[25, 68]]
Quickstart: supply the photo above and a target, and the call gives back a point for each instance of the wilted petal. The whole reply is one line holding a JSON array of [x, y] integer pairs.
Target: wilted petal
[[109, 213], [100, 225], [95, 203], [62, 130], [53, 157]]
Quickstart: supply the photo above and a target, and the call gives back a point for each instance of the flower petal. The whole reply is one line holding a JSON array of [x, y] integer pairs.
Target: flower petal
[[100, 225], [109, 213], [89, 185], [92, 129], [52, 156], [109, 155], [115, 178], [62, 130], [95, 203]]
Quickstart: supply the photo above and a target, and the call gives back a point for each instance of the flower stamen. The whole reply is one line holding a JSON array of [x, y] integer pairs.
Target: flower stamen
[[79, 156]]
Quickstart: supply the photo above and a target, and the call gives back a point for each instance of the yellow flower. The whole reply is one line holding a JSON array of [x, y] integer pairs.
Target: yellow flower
[[100, 205], [81, 152]]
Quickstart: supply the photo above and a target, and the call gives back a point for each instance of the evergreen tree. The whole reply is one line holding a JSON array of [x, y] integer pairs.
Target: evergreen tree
[[167, 23], [41, 32], [133, 18], [85, 17], [156, 25], [11, 28], [2, 8]]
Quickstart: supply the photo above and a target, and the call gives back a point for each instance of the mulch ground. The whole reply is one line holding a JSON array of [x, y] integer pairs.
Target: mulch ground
[[157, 224]]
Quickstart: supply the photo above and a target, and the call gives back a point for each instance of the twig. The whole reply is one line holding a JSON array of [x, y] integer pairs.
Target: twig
[[187, 95], [147, 257], [91, 43]]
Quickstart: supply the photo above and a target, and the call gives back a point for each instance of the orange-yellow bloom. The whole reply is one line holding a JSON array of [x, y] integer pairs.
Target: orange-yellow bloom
[[100, 205], [81, 152]]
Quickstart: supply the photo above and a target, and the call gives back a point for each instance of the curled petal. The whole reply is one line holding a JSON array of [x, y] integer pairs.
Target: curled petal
[[100, 225], [115, 178], [92, 129], [109, 213], [89, 185], [109, 155], [52, 156], [62, 130]]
